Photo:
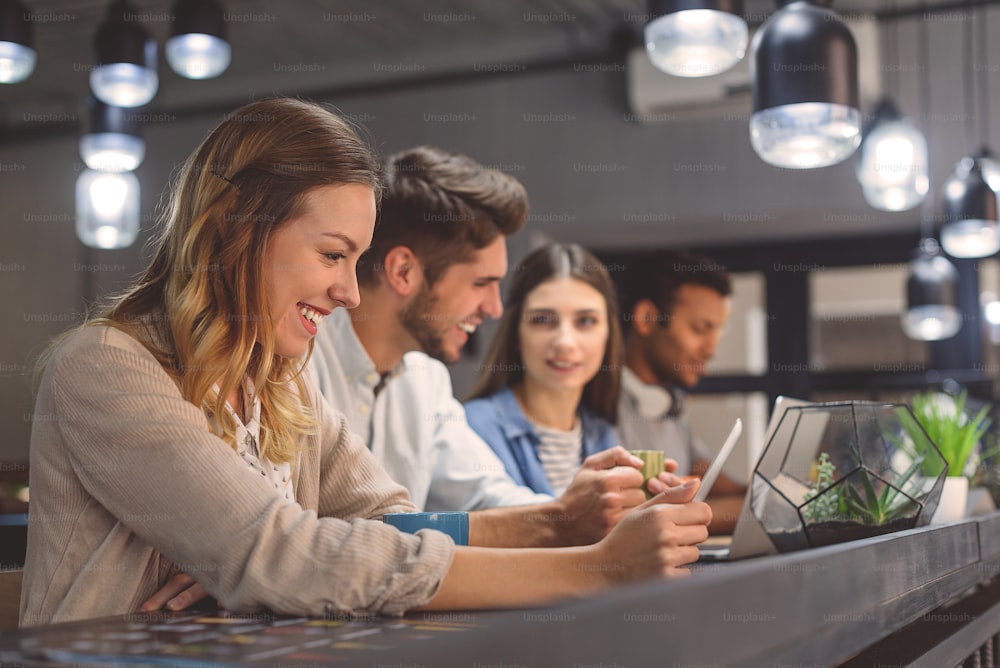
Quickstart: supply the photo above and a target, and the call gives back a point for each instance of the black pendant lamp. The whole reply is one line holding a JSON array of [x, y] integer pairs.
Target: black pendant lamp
[[970, 209], [125, 69], [971, 228], [198, 48], [805, 87], [112, 139], [931, 311]]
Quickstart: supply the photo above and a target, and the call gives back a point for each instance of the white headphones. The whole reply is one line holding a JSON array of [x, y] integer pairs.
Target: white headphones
[[653, 401]]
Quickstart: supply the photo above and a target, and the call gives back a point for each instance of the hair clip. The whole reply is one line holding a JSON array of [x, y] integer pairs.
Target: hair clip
[[226, 179]]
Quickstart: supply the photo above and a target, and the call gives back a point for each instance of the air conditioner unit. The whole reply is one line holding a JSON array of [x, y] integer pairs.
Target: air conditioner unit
[[657, 97]]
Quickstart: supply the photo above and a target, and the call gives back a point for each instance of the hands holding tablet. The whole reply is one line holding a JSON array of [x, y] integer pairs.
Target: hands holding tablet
[[654, 461]]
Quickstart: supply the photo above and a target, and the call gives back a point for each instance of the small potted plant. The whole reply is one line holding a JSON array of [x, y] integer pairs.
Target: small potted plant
[[956, 434], [842, 471], [836, 511]]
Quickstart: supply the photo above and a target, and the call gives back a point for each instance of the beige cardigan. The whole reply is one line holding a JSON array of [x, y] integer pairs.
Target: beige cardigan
[[129, 486]]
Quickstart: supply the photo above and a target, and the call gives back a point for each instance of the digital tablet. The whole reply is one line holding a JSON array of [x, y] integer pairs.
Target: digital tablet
[[715, 469]]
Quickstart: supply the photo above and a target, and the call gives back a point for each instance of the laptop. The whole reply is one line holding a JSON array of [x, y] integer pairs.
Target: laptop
[[749, 538]]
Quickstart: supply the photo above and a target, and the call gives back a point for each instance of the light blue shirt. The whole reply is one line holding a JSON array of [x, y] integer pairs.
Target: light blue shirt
[[414, 426], [500, 421]]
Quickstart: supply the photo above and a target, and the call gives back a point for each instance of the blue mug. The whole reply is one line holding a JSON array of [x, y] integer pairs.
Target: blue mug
[[454, 524]]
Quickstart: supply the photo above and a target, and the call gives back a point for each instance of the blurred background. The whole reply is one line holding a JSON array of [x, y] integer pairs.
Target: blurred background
[[615, 155]]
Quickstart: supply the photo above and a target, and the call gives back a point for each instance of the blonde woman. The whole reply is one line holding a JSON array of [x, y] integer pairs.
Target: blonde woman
[[181, 437]]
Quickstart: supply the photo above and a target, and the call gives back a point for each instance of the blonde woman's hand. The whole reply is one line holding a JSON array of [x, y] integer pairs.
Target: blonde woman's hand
[[180, 593]]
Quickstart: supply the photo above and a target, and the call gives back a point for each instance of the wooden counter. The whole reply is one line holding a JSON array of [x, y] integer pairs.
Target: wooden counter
[[924, 597]]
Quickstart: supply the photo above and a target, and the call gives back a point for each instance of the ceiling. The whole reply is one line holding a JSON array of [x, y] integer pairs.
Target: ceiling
[[312, 47], [331, 49]]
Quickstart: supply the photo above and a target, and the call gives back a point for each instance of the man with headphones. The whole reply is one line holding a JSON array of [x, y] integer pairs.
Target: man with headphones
[[674, 307]]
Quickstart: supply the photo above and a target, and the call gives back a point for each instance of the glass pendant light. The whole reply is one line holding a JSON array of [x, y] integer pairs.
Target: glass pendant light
[[970, 209], [931, 313], [970, 194], [198, 48], [696, 38], [17, 57], [932, 310], [112, 141], [805, 87], [125, 72], [893, 165], [107, 208], [991, 315]]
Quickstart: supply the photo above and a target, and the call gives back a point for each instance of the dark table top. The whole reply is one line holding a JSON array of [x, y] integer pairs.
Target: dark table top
[[812, 608]]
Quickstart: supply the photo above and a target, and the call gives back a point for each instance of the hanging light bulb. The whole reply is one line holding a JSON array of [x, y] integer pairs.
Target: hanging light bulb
[[991, 315], [125, 72], [970, 207], [931, 313], [17, 57], [696, 38], [198, 48], [893, 165], [112, 141], [804, 65], [107, 208]]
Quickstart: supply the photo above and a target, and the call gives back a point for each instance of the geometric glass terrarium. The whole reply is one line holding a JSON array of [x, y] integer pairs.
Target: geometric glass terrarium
[[840, 471]]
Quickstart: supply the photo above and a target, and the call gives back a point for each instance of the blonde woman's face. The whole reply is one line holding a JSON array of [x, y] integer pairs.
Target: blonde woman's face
[[310, 265], [563, 334]]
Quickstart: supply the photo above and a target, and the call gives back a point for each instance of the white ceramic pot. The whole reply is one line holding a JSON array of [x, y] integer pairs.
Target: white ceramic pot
[[953, 499]]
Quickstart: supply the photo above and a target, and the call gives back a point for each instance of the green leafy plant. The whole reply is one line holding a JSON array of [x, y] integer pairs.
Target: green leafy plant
[[878, 508], [824, 508], [953, 431], [845, 503]]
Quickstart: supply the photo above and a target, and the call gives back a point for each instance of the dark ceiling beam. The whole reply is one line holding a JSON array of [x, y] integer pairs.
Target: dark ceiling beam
[[24, 133], [621, 38]]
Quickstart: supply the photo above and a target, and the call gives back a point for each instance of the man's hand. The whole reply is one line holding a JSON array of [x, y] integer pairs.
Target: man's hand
[[180, 592], [604, 490]]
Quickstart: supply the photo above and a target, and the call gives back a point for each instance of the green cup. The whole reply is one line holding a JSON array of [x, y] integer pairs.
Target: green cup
[[652, 465]]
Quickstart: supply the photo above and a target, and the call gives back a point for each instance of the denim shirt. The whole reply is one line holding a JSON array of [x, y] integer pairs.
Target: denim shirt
[[499, 420]]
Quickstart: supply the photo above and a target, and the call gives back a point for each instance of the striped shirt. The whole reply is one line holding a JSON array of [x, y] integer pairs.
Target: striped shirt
[[560, 453]]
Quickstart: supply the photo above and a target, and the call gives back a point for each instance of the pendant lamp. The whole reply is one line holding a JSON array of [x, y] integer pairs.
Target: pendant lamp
[[198, 48], [805, 87], [17, 55], [107, 208], [970, 209], [125, 69], [112, 140], [931, 311], [696, 38], [970, 227], [892, 168]]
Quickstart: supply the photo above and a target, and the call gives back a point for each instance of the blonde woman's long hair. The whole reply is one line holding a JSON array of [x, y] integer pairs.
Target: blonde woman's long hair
[[200, 307]]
